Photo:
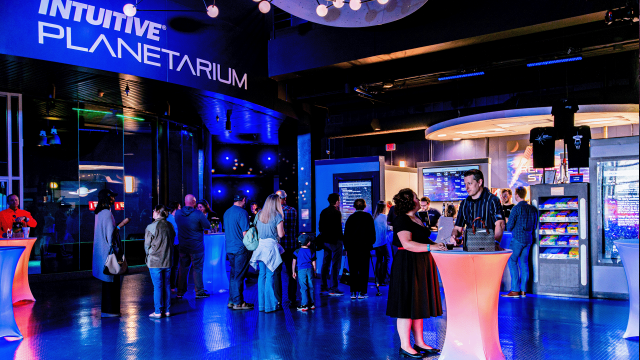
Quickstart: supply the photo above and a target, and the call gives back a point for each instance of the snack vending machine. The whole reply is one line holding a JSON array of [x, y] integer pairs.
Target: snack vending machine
[[560, 256]]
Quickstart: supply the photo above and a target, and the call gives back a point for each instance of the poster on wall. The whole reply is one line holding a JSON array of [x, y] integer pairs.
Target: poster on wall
[[619, 186], [520, 170], [349, 192]]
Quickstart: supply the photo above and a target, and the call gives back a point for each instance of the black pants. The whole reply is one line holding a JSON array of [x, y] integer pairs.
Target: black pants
[[382, 261], [195, 262], [111, 295], [292, 286], [173, 277], [358, 270]]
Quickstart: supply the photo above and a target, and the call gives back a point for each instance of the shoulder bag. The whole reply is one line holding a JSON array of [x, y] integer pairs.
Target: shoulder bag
[[479, 240], [116, 264], [250, 239]]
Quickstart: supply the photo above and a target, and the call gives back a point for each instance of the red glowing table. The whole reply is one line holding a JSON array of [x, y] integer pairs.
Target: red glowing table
[[9, 258], [471, 283], [21, 289]]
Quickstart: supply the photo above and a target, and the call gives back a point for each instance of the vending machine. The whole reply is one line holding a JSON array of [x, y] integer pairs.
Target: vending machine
[[560, 253]]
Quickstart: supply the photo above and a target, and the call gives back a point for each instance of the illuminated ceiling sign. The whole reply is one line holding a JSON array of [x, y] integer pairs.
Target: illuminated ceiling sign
[[186, 48]]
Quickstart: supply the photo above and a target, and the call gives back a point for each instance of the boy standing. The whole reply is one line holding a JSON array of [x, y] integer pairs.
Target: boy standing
[[305, 259]]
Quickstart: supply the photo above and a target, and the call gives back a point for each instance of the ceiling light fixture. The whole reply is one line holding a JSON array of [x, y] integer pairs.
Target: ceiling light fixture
[[43, 139], [55, 139], [382, 2], [552, 62], [130, 9], [457, 139], [442, 135], [264, 6], [338, 3], [322, 10], [212, 10], [461, 76], [355, 4]]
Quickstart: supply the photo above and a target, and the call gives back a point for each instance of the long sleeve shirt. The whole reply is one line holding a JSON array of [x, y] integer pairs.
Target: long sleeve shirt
[[8, 216], [359, 232], [522, 223], [330, 225]]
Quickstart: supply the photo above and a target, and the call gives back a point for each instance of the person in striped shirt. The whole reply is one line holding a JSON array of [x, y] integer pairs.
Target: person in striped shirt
[[480, 203]]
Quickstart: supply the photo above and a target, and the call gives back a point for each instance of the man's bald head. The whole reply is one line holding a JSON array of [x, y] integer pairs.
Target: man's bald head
[[190, 200]]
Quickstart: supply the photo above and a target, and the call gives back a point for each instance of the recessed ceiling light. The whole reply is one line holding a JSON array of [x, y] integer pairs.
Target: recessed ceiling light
[[457, 139], [442, 135]]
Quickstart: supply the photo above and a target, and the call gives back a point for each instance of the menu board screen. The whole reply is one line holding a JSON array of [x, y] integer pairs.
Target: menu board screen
[[620, 202], [350, 191], [445, 183]]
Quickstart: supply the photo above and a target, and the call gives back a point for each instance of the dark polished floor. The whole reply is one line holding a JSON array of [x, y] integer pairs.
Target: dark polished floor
[[65, 323]]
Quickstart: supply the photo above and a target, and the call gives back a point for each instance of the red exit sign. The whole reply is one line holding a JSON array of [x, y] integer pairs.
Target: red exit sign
[[391, 147], [119, 206], [92, 205]]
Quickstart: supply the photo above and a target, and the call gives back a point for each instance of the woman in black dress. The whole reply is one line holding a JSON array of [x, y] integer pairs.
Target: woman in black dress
[[414, 292]]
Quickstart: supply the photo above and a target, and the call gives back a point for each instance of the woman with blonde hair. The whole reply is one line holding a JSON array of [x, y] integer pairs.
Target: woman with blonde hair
[[267, 257]]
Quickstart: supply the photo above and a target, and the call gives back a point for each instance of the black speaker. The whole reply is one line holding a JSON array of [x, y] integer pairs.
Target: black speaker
[[563, 112]]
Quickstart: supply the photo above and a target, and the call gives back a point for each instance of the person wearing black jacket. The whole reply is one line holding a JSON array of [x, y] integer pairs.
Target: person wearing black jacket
[[359, 237], [330, 226]]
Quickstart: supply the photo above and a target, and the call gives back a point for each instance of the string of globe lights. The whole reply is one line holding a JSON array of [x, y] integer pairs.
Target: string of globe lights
[[355, 5], [212, 10]]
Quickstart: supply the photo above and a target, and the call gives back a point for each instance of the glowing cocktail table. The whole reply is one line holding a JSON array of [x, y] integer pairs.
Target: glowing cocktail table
[[628, 250], [21, 289], [471, 283], [9, 258], [214, 272]]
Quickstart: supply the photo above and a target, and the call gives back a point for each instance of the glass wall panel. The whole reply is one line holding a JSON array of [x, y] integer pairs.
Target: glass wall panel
[[176, 185], [4, 150], [15, 139]]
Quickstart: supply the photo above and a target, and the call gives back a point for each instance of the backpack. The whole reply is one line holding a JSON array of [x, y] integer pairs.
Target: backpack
[[250, 239]]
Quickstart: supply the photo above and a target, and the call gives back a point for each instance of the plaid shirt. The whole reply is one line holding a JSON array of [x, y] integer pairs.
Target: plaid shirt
[[290, 241], [522, 223]]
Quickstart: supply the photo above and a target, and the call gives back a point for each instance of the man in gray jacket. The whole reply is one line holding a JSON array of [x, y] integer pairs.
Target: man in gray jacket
[[191, 226]]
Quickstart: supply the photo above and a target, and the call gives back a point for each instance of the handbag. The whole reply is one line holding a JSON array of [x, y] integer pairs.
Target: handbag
[[479, 240], [250, 239], [116, 263], [344, 279]]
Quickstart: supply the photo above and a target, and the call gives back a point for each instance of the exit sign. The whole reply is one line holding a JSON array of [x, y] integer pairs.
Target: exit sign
[[391, 147]]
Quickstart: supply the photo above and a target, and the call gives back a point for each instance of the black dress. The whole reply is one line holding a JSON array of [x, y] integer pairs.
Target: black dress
[[414, 291]]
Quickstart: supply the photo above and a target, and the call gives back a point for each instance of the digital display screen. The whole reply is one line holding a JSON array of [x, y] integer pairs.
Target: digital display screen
[[445, 183], [620, 202], [350, 191]]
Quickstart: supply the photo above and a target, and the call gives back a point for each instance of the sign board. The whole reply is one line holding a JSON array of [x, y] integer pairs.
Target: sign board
[[92, 205], [118, 206], [391, 147], [576, 178]]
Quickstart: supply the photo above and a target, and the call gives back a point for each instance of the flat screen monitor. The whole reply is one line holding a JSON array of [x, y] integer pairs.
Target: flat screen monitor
[[445, 183], [349, 191]]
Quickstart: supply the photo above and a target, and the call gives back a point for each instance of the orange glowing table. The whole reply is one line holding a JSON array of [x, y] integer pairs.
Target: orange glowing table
[[21, 289], [471, 283]]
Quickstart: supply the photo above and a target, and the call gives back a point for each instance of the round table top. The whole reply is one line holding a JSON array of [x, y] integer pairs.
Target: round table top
[[461, 252], [7, 248], [13, 239]]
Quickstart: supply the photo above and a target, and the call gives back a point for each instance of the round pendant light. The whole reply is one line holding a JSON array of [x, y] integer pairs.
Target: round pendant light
[[322, 10], [338, 3], [264, 6], [213, 11], [355, 4], [130, 10]]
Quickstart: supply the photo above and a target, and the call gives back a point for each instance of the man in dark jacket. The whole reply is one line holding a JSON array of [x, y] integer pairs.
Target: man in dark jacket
[[359, 237], [330, 226], [191, 226]]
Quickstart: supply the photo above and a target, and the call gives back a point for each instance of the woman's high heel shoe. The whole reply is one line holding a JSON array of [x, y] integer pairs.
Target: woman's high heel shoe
[[410, 355], [426, 351]]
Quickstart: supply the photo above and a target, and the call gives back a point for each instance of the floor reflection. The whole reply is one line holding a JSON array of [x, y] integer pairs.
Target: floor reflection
[[65, 324]]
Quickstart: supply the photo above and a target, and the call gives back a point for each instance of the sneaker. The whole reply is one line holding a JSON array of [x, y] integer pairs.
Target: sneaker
[[155, 315], [523, 294], [179, 296], [362, 296], [230, 305], [353, 296], [167, 314], [302, 308], [335, 292], [202, 294], [511, 294], [312, 306]]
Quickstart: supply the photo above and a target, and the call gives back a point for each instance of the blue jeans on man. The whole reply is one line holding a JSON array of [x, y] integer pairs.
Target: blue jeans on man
[[239, 265], [305, 279], [519, 266], [267, 300], [161, 289]]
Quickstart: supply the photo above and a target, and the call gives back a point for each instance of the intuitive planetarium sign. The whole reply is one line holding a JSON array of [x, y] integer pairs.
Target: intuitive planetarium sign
[[97, 34]]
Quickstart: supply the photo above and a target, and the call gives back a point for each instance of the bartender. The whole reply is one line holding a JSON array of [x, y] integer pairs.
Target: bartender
[[14, 218]]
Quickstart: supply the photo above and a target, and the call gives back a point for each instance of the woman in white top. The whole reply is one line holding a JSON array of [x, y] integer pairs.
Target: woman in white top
[[381, 245], [445, 224], [267, 256]]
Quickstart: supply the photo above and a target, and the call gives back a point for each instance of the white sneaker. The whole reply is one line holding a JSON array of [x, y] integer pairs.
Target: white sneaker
[[155, 315], [167, 314]]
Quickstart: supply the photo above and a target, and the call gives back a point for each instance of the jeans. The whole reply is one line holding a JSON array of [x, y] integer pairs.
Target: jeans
[[195, 262], [161, 289], [292, 285], [382, 261], [333, 257], [174, 266], [239, 265], [359, 270], [519, 258], [305, 278], [267, 300]]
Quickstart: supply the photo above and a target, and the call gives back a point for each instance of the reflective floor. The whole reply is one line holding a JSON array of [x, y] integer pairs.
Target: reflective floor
[[65, 324]]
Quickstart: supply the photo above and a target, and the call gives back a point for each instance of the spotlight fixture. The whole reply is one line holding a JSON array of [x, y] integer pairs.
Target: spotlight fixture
[[55, 139], [227, 125], [355, 4], [43, 139], [264, 6]]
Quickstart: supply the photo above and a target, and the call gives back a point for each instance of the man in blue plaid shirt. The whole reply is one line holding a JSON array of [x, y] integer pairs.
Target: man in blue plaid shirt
[[290, 243], [522, 223]]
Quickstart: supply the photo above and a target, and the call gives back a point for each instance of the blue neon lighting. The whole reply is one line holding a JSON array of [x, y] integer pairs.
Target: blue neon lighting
[[551, 62], [461, 76]]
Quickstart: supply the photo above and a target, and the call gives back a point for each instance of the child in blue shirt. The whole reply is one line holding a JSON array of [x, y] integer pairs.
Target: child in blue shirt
[[305, 259]]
